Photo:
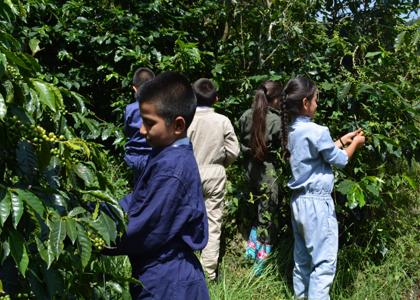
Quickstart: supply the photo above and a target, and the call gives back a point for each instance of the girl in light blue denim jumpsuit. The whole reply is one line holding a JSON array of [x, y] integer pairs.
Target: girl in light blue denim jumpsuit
[[314, 223]]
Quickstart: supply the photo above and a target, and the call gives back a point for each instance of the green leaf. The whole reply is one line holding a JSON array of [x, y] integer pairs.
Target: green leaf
[[76, 211], [114, 205], [85, 246], [10, 91], [372, 54], [58, 96], [104, 228], [18, 251], [5, 206], [399, 40], [34, 45], [71, 230], [42, 250], [343, 92], [26, 158], [106, 133], [359, 196], [345, 186], [57, 235], [45, 94], [32, 201], [111, 226], [3, 64], [3, 107], [410, 181], [373, 189], [17, 209], [5, 250], [12, 7], [85, 174], [394, 90]]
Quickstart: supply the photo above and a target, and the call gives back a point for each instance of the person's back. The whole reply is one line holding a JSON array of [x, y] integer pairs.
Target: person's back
[[215, 146], [314, 223], [260, 135], [213, 138], [272, 135], [136, 148]]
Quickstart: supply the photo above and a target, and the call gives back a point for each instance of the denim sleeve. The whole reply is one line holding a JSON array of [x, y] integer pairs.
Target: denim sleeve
[[155, 217], [330, 152]]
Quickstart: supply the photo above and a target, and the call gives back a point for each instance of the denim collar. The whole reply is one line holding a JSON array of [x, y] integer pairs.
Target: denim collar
[[183, 141], [302, 118]]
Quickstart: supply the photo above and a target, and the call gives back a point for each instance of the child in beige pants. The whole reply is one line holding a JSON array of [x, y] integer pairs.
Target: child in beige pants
[[215, 146]]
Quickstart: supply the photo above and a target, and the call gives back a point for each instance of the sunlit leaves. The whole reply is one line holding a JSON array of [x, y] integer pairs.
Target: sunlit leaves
[[49, 95], [34, 45], [5, 205], [31, 200], [86, 174], [84, 245], [57, 234], [71, 229], [17, 209]]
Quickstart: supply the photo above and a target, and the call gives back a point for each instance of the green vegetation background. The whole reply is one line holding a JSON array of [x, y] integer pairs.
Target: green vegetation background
[[65, 73]]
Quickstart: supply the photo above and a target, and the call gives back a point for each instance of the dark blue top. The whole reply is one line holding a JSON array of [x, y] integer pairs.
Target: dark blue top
[[166, 208], [132, 122]]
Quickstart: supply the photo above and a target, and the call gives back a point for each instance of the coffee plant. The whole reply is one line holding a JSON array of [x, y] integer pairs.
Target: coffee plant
[[65, 71], [53, 181]]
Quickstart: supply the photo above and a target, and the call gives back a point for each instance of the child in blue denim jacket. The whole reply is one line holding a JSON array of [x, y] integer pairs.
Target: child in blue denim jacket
[[314, 223], [137, 149]]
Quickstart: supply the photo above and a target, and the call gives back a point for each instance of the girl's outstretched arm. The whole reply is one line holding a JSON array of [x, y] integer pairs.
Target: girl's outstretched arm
[[347, 139], [356, 143]]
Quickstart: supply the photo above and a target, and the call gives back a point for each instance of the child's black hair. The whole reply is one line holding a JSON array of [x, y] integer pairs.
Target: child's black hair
[[294, 92], [172, 95], [205, 91], [141, 75], [265, 95]]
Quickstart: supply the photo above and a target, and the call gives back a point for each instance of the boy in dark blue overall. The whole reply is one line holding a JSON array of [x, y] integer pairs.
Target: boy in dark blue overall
[[166, 213], [136, 148]]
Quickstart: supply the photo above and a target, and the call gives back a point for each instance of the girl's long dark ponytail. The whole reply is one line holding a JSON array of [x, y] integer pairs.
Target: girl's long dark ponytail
[[258, 129]]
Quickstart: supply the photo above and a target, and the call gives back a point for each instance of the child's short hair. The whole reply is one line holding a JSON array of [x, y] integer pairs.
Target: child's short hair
[[141, 75], [205, 91], [172, 95]]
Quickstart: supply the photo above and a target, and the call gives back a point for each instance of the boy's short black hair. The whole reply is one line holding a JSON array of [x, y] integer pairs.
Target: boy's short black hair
[[205, 91], [141, 75], [173, 96]]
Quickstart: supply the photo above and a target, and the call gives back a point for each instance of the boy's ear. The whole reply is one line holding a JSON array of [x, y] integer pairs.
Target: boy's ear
[[180, 125], [134, 88]]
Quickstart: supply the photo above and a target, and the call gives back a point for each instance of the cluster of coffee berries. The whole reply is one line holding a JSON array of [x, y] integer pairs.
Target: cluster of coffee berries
[[5, 297], [39, 135], [98, 242], [14, 73]]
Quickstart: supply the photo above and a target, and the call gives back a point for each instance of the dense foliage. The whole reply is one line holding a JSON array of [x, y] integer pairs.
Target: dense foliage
[[65, 70], [53, 180]]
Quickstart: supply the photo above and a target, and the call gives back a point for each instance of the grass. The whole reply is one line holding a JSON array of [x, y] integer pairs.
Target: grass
[[396, 277]]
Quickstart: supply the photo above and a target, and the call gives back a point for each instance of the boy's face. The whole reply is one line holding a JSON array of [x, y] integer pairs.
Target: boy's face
[[154, 128]]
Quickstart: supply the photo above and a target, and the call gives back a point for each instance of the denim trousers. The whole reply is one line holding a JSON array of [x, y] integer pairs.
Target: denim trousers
[[315, 231]]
